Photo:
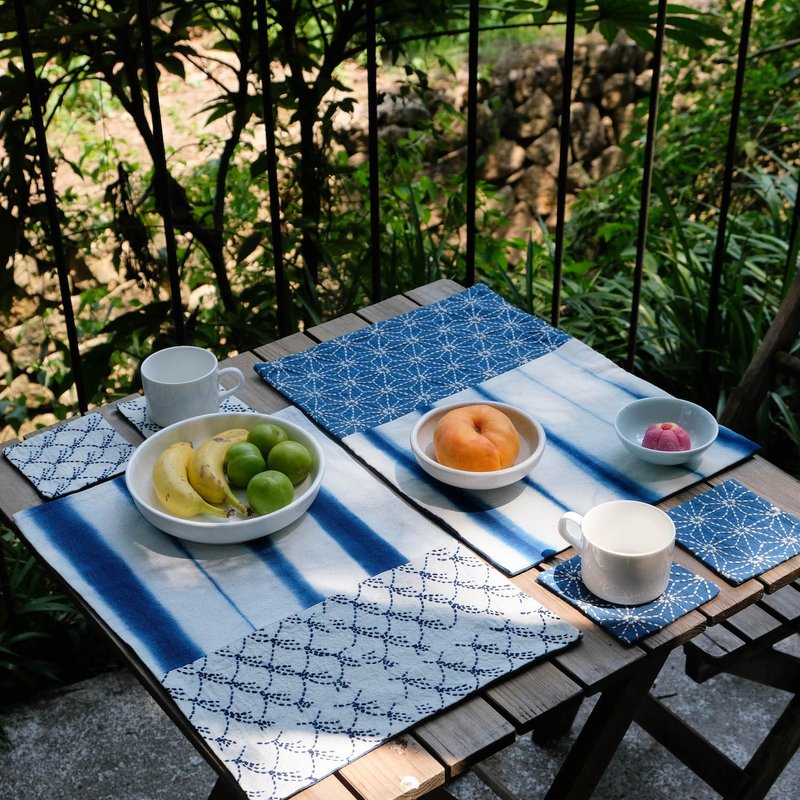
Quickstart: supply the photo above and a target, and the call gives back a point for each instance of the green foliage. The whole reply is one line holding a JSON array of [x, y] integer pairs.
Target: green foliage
[[44, 621]]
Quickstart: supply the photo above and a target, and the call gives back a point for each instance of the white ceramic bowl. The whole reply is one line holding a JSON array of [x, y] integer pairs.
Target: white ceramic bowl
[[531, 446], [206, 528], [633, 420]]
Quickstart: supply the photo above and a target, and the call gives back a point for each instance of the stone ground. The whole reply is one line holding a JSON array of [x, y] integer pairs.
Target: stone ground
[[106, 739]]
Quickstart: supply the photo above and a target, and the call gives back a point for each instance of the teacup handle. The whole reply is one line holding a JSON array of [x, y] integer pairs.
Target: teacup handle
[[564, 528], [239, 380]]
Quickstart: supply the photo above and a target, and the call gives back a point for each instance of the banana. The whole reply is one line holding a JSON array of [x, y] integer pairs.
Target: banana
[[207, 471], [171, 483]]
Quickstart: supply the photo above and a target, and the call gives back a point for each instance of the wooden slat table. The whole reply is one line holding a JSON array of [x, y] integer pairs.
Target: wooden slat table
[[542, 699]]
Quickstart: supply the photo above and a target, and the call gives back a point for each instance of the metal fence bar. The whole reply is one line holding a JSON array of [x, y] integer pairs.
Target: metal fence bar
[[372, 153], [472, 137], [51, 202], [647, 178], [275, 214], [561, 193], [711, 333], [160, 168]]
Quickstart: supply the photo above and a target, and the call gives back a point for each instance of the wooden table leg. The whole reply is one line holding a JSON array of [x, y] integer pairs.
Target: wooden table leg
[[602, 732], [224, 790]]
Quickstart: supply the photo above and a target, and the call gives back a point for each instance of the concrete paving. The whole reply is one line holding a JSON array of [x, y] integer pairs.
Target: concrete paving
[[106, 739]]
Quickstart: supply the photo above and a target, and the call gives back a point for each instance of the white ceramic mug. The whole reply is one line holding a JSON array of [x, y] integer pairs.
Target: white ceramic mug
[[183, 382], [626, 549]]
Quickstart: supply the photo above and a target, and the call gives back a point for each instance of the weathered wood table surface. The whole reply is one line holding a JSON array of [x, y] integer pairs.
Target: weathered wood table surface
[[540, 700]]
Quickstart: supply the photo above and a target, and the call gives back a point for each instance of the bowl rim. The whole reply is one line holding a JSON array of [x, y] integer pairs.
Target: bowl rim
[[644, 401], [233, 522], [498, 473]]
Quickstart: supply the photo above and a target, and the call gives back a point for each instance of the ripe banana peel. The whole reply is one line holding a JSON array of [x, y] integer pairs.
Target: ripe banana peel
[[172, 487], [207, 471]]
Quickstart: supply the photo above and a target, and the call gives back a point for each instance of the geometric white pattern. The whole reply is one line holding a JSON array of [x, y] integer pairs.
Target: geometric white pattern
[[291, 703], [80, 452], [378, 373], [735, 532]]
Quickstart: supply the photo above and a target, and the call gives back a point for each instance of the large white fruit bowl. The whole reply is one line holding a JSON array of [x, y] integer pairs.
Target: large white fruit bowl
[[206, 528], [532, 440]]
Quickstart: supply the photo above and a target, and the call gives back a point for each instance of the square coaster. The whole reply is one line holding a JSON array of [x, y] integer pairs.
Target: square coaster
[[735, 532], [80, 452], [135, 411], [685, 592]]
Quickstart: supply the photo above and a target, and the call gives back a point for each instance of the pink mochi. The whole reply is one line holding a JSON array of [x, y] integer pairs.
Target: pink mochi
[[668, 436]]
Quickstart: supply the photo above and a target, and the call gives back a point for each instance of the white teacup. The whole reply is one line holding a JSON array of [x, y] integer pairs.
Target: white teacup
[[183, 382], [626, 549]]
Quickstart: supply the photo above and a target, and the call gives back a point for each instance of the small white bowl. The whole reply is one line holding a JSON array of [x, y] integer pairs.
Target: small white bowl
[[206, 528], [634, 419], [531, 446]]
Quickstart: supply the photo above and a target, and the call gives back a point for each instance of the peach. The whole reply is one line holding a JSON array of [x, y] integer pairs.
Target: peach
[[668, 436], [476, 438]]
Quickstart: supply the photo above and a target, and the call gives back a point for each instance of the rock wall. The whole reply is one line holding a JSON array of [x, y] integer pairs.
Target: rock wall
[[520, 107]]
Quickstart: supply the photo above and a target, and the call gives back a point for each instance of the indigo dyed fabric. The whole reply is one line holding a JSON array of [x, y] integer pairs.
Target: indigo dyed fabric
[[735, 532]]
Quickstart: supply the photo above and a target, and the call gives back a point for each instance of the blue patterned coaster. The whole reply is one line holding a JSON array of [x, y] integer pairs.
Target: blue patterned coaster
[[685, 592], [80, 452], [376, 374], [136, 413], [735, 532]]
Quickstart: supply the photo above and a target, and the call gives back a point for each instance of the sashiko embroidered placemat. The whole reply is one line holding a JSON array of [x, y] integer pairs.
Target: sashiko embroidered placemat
[[294, 654], [369, 387]]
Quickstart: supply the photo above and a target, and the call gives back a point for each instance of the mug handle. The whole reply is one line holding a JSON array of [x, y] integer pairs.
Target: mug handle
[[239, 380], [564, 528]]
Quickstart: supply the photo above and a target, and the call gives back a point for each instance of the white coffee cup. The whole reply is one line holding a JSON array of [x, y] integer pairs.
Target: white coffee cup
[[626, 549], [182, 382]]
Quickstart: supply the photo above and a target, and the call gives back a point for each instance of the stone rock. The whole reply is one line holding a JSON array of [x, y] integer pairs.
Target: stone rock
[[36, 423], [577, 177], [619, 89], [546, 150], [35, 395], [586, 131], [406, 112], [504, 158], [606, 162], [533, 117], [537, 188]]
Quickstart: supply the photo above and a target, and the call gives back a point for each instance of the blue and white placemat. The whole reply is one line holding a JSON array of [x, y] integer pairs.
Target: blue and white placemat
[[135, 411], [287, 705], [684, 593], [70, 456], [735, 532]]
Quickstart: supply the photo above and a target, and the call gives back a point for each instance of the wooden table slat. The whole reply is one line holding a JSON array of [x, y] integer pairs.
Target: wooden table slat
[[294, 343], [785, 603], [386, 309], [526, 696], [337, 327], [754, 622], [465, 734], [401, 768], [330, 788], [431, 292], [16, 491]]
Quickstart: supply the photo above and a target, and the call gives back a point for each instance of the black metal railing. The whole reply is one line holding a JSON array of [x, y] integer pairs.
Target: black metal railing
[[470, 176]]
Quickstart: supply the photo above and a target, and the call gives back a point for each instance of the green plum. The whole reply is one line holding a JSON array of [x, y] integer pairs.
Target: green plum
[[292, 459], [265, 436], [268, 491], [243, 460]]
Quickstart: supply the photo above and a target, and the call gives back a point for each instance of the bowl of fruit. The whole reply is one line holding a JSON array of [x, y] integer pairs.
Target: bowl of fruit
[[226, 477], [665, 430], [477, 445]]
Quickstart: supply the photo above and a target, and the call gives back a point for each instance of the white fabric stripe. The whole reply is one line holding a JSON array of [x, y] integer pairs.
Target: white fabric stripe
[[220, 593]]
